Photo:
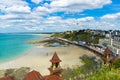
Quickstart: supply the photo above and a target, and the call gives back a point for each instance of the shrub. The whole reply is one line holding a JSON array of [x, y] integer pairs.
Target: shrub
[[116, 63]]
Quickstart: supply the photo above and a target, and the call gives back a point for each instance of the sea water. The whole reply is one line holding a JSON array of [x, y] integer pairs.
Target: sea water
[[13, 45]]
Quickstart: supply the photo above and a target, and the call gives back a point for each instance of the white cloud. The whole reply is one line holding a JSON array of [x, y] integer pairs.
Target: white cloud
[[33, 28], [14, 6], [111, 16], [86, 19], [8, 3], [19, 17], [71, 5], [18, 8], [8, 16], [77, 5], [55, 18], [36, 1], [55, 23], [41, 10]]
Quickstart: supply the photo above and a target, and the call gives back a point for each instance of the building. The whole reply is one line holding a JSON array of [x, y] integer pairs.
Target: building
[[55, 69], [7, 78], [33, 75], [107, 54], [117, 38], [108, 58], [113, 44], [55, 72]]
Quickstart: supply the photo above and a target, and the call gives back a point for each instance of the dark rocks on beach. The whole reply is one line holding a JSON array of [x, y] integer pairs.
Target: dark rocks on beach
[[51, 42]]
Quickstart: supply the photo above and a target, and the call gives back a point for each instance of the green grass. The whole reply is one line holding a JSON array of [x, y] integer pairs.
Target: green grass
[[104, 74]]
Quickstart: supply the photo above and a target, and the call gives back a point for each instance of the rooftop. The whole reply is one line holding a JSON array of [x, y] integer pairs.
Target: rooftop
[[55, 58], [107, 51], [33, 75], [7, 78]]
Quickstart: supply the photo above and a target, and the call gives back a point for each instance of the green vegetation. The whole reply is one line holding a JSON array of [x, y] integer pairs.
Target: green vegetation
[[116, 64], [17, 73], [105, 74], [93, 71], [90, 67], [80, 35]]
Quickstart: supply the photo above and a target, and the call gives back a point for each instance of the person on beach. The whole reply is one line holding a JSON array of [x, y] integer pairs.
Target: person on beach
[[46, 54]]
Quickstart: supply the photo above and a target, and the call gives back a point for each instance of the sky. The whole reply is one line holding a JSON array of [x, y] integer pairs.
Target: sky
[[58, 15]]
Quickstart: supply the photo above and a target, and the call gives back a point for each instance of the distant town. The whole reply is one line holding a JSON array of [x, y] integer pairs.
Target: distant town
[[100, 39]]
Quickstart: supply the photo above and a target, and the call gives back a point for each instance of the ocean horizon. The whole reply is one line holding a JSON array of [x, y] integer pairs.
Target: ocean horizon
[[15, 44]]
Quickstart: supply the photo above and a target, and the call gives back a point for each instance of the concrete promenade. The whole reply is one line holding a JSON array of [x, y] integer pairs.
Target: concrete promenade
[[96, 51]]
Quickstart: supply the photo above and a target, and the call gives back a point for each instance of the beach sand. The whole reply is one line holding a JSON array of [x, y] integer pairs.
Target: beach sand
[[37, 58]]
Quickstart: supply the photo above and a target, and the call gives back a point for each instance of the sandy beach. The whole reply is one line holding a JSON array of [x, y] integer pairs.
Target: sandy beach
[[37, 58]]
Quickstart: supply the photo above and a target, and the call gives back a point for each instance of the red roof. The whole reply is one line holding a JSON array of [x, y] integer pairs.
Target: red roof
[[55, 58], [53, 77], [34, 75], [7, 78], [107, 51]]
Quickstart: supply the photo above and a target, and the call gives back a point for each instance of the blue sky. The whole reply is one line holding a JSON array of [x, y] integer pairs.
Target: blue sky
[[58, 15]]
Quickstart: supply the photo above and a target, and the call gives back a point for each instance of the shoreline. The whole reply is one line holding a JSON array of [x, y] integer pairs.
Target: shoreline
[[15, 49], [21, 61], [37, 58]]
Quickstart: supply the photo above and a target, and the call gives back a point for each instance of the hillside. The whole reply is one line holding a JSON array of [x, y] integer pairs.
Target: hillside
[[80, 35]]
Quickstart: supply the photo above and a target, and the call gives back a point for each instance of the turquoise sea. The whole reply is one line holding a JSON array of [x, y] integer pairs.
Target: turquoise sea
[[13, 45]]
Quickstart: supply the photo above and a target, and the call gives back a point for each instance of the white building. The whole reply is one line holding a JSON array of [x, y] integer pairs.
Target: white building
[[114, 45], [117, 38]]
